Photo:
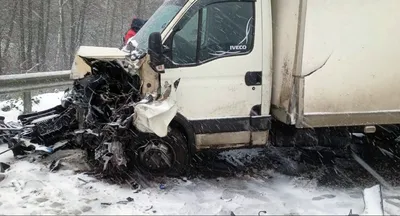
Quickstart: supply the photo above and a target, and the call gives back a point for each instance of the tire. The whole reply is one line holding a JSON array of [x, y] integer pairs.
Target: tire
[[176, 141]]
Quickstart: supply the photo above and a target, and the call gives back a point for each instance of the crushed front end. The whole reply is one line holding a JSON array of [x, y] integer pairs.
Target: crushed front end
[[107, 112]]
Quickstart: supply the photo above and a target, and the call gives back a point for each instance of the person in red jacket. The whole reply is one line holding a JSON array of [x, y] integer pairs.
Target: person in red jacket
[[136, 25]]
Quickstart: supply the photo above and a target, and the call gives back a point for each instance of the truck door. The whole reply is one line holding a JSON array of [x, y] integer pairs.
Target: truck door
[[216, 51]]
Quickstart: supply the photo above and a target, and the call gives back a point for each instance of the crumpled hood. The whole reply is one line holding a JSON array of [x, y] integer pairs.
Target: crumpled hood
[[80, 68]]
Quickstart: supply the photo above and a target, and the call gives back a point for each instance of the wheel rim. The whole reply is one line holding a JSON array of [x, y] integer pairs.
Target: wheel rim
[[156, 157]]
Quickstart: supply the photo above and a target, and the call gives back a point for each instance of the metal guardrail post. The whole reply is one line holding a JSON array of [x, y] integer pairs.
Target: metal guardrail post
[[27, 100]]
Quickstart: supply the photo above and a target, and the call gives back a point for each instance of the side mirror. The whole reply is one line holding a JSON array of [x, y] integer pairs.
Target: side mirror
[[130, 47], [156, 51]]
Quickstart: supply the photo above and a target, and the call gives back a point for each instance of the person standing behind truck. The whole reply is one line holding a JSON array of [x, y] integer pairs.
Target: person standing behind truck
[[136, 25]]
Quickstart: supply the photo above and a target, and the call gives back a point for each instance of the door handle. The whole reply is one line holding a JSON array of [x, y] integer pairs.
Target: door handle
[[253, 78]]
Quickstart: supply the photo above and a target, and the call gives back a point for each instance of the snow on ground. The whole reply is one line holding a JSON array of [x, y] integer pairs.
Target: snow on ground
[[39, 103], [29, 188]]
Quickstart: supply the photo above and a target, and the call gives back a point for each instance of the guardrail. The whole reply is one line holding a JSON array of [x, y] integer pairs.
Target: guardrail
[[33, 81]]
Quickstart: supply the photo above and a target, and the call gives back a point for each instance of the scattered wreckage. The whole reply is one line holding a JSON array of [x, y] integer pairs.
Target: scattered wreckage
[[262, 86], [106, 113]]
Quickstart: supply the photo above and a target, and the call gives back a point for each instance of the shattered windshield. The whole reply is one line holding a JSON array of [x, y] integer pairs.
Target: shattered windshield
[[158, 21]]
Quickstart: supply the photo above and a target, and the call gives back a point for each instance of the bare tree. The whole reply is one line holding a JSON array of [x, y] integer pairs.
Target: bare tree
[[63, 38], [29, 62], [112, 23], [44, 35], [22, 57], [72, 45], [139, 8], [82, 17], [1, 59], [61, 48], [11, 28], [40, 37], [106, 23]]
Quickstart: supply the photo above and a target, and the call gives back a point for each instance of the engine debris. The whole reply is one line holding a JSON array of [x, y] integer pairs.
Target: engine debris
[[104, 113]]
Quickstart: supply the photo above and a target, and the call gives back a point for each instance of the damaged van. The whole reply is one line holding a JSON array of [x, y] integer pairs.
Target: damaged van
[[222, 74]]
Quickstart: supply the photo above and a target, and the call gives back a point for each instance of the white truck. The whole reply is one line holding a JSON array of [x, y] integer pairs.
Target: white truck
[[267, 72]]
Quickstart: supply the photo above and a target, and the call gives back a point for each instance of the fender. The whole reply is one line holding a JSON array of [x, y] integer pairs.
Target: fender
[[187, 128]]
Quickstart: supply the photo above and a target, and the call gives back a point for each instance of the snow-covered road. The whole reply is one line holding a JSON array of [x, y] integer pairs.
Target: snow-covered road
[[29, 188]]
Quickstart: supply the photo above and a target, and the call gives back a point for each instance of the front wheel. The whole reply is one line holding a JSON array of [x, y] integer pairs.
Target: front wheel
[[163, 155]]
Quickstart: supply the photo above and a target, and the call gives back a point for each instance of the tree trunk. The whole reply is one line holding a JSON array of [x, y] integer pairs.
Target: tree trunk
[[82, 21], [139, 9], [11, 29], [46, 36], [112, 24], [72, 45], [40, 38], [64, 55], [1, 59], [22, 57], [106, 24], [59, 61], [59, 36], [29, 61]]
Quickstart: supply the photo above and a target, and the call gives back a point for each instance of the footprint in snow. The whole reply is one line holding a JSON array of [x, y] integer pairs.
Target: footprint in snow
[[57, 205], [86, 208], [325, 196], [41, 200]]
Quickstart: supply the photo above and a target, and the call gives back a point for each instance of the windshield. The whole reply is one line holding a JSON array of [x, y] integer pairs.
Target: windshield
[[158, 21]]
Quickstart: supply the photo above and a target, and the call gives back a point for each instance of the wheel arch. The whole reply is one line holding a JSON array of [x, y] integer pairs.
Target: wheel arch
[[182, 124]]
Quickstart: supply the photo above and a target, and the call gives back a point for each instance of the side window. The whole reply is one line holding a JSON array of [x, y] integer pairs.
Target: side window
[[184, 43], [224, 29], [229, 30]]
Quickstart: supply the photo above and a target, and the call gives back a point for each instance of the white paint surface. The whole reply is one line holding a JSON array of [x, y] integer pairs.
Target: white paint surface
[[217, 88], [362, 73], [156, 116]]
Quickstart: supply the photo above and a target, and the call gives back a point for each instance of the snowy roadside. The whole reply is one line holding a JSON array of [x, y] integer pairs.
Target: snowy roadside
[[10, 109], [29, 188]]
